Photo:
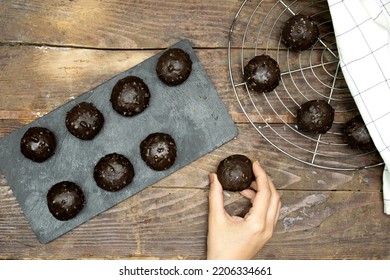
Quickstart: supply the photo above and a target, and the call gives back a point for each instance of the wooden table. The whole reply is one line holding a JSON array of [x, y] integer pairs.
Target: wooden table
[[53, 51]]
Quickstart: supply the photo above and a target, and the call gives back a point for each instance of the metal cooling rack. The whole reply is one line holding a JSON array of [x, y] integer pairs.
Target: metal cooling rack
[[311, 74]]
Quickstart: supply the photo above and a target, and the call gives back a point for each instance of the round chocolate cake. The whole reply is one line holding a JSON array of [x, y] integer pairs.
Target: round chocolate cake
[[38, 144], [130, 96], [262, 73], [174, 66], [113, 172], [235, 173], [357, 135], [84, 121], [300, 32], [315, 116], [65, 200], [158, 150]]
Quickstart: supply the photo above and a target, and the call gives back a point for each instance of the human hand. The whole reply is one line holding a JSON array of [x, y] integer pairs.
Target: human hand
[[233, 237]]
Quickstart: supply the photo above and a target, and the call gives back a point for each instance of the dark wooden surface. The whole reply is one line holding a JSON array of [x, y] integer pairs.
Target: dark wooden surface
[[53, 51]]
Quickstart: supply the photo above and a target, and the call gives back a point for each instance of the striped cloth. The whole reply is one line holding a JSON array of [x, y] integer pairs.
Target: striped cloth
[[362, 29]]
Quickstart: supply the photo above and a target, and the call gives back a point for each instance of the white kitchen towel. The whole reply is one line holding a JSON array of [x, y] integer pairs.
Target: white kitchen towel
[[362, 29]]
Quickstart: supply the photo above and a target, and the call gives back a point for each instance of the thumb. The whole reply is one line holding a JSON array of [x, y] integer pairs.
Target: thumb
[[216, 206]]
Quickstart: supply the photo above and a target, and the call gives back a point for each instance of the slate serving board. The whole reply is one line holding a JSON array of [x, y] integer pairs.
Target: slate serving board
[[192, 113]]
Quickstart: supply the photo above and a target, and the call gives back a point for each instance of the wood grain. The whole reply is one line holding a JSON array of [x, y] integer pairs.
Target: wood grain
[[169, 219], [171, 223], [53, 51], [116, 24], [35, 80], [286, 172]]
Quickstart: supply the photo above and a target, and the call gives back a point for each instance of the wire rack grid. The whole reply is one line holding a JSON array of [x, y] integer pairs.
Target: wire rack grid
[[306, 75]]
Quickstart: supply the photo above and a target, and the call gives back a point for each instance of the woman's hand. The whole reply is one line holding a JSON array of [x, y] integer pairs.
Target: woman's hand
[[233, 237]]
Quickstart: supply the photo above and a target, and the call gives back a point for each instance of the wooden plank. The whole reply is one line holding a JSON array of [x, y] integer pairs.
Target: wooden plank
[[331, 225], [171, 223], [287, 173], [38, 80], [116, 24], [149, 24], [34, 81]]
